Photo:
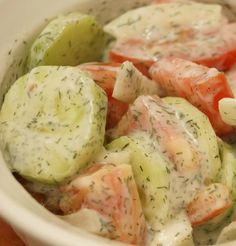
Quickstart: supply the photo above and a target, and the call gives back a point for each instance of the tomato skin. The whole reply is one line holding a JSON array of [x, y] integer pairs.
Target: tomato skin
[[231, 77], [120, 53], [111, 191], [116, 109], [223, 62], [104, 74], [208, 203], [224, 55], [150, 114], [201, 86], [216, 49]]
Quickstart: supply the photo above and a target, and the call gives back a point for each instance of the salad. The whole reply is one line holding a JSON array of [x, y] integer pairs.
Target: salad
[[128, 130]]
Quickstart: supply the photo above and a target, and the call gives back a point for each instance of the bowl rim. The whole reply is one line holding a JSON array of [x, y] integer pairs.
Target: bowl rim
[[53, 235], [10, 211]]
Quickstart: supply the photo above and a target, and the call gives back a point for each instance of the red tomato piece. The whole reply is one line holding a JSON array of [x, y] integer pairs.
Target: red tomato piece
[[116, 109], [132, 50], [231, 77], [200, 85], [213, 50], [223, 49], [208, 203], [150, 114], [104, 74], [111, 191]]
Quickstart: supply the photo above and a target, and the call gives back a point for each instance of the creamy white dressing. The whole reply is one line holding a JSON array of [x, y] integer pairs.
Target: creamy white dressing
[[117, 158], [179, 192], [89, 220], [198, 125], [131, 83], [182, 184], [182, 187], [141, 23], [188, 151], [46, 134], [174, 21], [197, 49], [177, 232]]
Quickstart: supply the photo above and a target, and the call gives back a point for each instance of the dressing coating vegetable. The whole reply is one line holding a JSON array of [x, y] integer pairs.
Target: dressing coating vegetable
[[68, 40], [52, 123]]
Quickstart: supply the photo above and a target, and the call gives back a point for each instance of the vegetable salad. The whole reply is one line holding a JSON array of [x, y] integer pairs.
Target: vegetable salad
[[127, 130]]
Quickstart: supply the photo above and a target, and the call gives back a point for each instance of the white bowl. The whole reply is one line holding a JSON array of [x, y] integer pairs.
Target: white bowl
[[20, 21]]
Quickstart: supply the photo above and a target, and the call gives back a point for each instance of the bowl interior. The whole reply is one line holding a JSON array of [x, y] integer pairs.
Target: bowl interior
[[34, 223]]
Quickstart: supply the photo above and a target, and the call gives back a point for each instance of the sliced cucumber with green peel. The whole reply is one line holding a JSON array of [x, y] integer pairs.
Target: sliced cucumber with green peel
[[228, 170], [68, 40], [52, 123], [200, 127], [151, 175]]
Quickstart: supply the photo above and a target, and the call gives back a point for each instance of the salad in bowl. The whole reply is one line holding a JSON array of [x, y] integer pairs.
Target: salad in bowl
[[125, 127]]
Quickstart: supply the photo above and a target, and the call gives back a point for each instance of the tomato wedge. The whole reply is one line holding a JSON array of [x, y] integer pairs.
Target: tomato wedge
[[111, 191], [104, 74], [200, 85], [132, 50], [123, 83], [208, 203], [151, 114], [216, 50], [116, 109], [231, 77]]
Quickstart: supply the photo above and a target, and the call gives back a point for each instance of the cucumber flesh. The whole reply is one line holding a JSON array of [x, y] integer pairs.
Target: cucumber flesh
[[151, 176], [228, 170], [198, 125], [68, 40], [52, 123]]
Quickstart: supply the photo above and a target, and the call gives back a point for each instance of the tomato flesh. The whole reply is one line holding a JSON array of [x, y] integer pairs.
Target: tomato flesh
[[214, 50], [104, 74], [208, 203], [111, 191], [200, 85]]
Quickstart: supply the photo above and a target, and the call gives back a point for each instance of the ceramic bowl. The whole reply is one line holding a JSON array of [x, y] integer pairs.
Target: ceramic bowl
[[20, 22]]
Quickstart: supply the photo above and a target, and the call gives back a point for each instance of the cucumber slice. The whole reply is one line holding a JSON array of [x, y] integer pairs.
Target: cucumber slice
[[68, 40], [52, 122], [116, 158], [228, 170], [151, 175], [200, 127]]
